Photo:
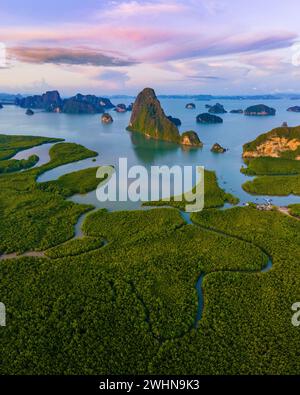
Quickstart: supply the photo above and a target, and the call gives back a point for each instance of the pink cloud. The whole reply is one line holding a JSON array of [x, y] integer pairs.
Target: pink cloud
[[102, 33], [135, 8], [146, 44]]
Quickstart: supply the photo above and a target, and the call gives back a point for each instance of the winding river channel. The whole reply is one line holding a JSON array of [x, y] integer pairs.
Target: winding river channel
[[199, 285]]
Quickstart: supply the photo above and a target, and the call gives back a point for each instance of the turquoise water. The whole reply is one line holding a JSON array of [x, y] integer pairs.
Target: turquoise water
[[113, 141]]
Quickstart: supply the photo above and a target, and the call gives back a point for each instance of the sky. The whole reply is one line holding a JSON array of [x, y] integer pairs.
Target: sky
[[224, 47]]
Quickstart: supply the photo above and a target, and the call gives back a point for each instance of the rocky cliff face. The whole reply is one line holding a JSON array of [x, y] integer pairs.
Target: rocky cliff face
[[149, 118], [273, 148], [280, 142]]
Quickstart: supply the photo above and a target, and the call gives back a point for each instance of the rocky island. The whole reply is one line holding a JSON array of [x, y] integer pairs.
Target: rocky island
[[149, 118], [52, 102], [294, 109], [106, 118], [190, 106], [283, 142], [208, 118], [218, 149], [176, 121], [217, 109], [121, 108], [46, 101], [259, 110], [274, 158], [237, 112], [191, 138], [29, 112]]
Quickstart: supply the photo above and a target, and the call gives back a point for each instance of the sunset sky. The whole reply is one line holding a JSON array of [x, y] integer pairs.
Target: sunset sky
[[175, 46]]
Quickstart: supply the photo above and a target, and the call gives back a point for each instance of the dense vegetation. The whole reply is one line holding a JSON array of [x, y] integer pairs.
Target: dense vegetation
[[247, 320], [271, 166], [277, 175], [11, 145], [63, 153], [75, 247], [214, 196], [294, 210], [37, 219], [131, 306], [12, 165], [81, 182], [274, 185], [130, 300]]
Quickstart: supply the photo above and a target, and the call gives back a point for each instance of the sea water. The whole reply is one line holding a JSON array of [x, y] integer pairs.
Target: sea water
[[113, 142]]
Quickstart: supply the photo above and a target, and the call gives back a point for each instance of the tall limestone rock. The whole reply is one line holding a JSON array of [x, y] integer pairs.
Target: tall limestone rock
[[149, 118]]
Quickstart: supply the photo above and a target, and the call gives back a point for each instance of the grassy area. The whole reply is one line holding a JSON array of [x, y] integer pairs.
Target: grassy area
[[274, 185], [214, 196]]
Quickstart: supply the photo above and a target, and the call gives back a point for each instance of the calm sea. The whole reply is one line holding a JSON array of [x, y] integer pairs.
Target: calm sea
[[113, 142]]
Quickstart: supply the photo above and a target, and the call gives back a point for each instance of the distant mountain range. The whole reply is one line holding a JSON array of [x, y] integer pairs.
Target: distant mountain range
[[8, 98], [291, 96]]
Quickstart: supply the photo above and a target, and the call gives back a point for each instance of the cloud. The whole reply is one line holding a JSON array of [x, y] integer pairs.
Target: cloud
[[110, 79], [59, 56], [113, 75], [205, 77], [133, 8], [217, 46]]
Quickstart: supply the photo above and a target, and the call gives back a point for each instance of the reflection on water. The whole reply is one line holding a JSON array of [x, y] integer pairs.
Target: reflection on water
[[114, 142]]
